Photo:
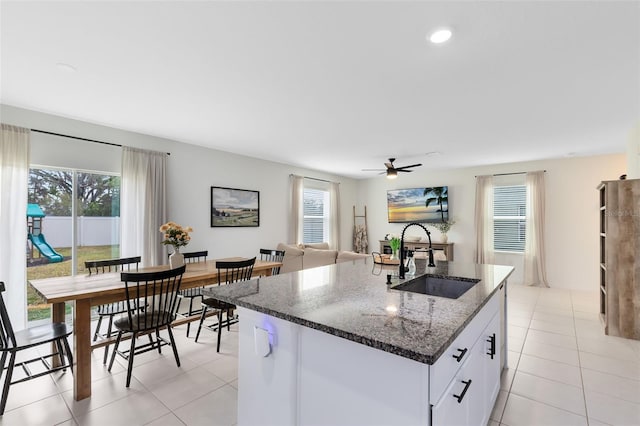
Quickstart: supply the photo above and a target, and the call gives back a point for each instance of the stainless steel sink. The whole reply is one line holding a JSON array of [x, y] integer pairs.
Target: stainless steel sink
[[451, 288]]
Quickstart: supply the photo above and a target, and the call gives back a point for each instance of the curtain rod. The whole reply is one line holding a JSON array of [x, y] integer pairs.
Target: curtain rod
[[514, 173], [321, 180], [79, 138]]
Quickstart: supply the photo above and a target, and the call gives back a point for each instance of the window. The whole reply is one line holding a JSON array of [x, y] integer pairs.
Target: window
[[73, 216], [509, 221], [315, 215]]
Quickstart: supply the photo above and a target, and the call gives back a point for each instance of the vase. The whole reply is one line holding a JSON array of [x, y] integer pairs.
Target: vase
[[444, 238], [394, 255], [176, 260]]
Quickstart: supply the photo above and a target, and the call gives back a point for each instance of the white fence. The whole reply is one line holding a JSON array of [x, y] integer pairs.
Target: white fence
[[92, 231]]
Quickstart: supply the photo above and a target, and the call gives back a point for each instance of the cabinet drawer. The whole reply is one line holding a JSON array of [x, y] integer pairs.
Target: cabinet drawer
[[459, 351], [462, 400], [470, 396]]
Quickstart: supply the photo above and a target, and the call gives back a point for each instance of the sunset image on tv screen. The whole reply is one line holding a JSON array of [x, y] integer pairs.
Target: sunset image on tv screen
[[429, 204]]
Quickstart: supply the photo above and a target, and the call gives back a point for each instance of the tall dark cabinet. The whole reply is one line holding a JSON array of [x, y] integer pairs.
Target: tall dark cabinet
[[620, 257]]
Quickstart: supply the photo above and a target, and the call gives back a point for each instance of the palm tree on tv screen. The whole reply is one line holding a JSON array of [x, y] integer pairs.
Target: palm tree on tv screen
[[438, 194]]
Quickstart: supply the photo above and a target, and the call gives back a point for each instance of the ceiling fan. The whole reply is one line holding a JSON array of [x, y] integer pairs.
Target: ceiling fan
[[391, 170]]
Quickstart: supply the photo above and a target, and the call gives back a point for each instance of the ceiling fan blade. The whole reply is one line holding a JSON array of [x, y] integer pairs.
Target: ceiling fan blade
[[404, 171], [373, 170], [389, 165], [407, 167]]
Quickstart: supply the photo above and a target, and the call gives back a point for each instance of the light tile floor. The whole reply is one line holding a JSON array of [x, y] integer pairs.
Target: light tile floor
[[562, 371], [202, 391]]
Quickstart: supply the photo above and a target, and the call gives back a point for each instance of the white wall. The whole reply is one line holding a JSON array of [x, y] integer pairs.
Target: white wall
[[192, 170], [572, 244], [572, 211], [190, 198]]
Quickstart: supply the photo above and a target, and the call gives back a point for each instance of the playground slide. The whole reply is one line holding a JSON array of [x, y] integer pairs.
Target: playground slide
[[44, 248]]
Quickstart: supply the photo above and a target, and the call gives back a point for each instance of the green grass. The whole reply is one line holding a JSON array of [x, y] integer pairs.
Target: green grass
[[36, 308]]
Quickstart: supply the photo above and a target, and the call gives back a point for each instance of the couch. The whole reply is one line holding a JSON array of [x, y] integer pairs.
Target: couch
[[305, 256]]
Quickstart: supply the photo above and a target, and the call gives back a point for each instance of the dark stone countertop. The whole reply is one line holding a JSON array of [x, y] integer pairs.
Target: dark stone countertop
[[352, 300]]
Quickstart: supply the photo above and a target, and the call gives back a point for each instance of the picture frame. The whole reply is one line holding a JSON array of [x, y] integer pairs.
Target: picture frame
[[232, 207]]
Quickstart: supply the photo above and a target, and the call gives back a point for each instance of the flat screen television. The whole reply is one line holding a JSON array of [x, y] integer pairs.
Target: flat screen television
[[430, 205]]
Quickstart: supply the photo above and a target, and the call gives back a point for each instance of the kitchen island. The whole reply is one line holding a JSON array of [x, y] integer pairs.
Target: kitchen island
[[338, 345]]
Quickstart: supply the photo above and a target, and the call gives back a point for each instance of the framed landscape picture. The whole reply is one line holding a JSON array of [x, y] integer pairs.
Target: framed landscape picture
[[234, 207]]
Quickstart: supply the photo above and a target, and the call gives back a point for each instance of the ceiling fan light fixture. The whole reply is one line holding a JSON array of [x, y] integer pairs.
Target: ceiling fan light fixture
[[392, 171], [441, 35]]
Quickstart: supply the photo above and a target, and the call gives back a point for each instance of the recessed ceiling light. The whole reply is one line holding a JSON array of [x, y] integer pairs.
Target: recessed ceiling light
[[66, 67], [440, 35]]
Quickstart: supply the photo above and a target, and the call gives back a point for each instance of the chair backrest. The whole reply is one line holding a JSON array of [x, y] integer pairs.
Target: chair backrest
[[234, 271], [196, 256], [158, 291], [112, 265], [7, 337], [272, 256]]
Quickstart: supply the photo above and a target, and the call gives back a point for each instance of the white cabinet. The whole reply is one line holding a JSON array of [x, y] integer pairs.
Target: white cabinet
[[459, 351], [491, 342], [315, 378], [462, 398], [342, 383], [470, 395], [502, 296]]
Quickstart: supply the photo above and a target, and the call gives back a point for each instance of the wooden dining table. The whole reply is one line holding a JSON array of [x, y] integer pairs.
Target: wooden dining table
[[86, 291]]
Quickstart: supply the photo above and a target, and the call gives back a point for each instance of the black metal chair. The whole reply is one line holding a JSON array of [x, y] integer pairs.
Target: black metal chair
[[195, 292], [11, 343], [272, 256], [159, 291], [111, 309], [228, 272]]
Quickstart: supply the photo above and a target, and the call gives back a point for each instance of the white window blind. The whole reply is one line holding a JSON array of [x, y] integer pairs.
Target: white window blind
[[316, 216], [509, 220]]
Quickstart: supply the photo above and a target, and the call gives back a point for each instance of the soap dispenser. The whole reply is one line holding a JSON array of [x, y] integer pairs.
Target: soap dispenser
[[411, 264]]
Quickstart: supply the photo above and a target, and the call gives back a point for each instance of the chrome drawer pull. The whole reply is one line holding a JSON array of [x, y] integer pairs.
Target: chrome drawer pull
[[464, 391], [461, 354]]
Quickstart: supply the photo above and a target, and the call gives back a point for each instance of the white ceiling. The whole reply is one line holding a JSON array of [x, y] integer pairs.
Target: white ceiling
[[337, 86]]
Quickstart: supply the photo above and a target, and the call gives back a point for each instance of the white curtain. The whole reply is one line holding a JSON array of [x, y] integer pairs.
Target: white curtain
[[143, 205], [484, 251], [296, 209], [535, 271], [14, 178], [334, 216]]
